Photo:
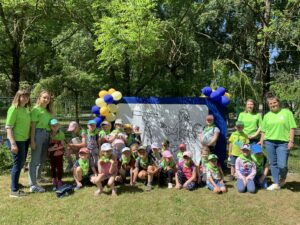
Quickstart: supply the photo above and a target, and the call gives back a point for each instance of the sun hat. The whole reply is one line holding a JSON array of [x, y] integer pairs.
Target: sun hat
[[239, 123], [106, 147], [91, 122], [188, 154], [84, 150], [167, 154], [105, 123], [256, 148], [72, 126], [246, 147], [142, 148], [125, 149], [154, 145], [212, 156], [119, 121], [53, 122]]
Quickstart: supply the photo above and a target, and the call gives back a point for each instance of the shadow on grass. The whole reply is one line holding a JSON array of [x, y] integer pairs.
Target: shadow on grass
[[293, 186], [129, 189]]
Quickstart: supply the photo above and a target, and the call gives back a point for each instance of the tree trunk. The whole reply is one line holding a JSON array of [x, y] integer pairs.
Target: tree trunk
[[15, 69]]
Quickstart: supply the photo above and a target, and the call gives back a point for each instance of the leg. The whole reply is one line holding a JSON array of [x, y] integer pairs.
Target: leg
[[18, 162], [251, 186], [282, 161], [77, 173], [60, 169], [180, 179], [272, 156], [111, 184], [98, 182], [240, 186], [44, 153]]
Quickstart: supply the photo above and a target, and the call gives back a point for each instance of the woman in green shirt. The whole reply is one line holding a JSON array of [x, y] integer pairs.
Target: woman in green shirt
[[18, 131], [252, 121], [41, 115], [278, 131]]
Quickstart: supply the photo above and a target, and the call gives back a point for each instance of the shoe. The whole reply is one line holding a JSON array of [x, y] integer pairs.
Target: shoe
[[36, 189], [98, 192], [77, 188], [282, 183], [17, 194], [43, 180], [273, 187], [149, 187], [170, 185]]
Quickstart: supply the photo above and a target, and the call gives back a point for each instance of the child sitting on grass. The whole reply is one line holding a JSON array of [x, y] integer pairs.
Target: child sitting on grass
[[126, 164], [167, 169], [215, 176], [82, 168]]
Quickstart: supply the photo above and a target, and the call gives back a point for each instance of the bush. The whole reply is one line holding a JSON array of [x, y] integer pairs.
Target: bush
[[5, 159]]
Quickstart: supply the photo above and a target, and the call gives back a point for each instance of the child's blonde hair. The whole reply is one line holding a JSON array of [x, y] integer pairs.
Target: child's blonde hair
[[16, 101], [49, 107]]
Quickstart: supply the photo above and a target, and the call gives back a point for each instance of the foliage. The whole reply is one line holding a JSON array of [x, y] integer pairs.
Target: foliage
[[5, 159]]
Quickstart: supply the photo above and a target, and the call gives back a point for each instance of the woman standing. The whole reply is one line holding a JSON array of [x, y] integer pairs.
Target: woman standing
[[18, 131], [40, 116], [252, 121], [278, 131]]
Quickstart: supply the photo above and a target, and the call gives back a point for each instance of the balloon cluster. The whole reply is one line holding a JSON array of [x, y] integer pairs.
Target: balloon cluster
[[220, 95], [104, 109]]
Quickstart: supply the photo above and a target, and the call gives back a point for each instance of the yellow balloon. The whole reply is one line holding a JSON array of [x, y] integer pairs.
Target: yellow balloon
[[110, 117], [116, 95], [111, 90], [228, 95], [113, 108], [100, 102], [102, 93], [104, 111]]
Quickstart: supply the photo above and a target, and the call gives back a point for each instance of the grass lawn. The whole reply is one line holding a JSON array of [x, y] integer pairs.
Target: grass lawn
[[160, 206]]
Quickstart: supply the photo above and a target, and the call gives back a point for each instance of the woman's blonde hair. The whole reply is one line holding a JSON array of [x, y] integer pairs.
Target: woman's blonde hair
[[17, 102], [254, 108], [49, 107]]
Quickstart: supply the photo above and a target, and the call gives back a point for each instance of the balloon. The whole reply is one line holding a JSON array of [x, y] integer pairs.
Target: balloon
[[108, 99], [102, 93], [100, 102], [110, 117], [104, 111], [98, 120], [206, 91], [221, 90], [96, 110], [112, 108], [224, 101], [227, 95], [215, 96], [111, 90], [116, 95]]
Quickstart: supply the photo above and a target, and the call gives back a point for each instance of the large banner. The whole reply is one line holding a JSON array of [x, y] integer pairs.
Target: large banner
[[179, 120]]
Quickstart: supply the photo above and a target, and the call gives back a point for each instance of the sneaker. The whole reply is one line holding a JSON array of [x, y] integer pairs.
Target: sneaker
[[170, 185], [17, 194], [282, 183], [77, 187], [273, 187], [36, 189], [149, 187]]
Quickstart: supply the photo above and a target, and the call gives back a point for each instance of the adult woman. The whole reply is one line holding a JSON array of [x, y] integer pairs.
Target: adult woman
[[252, 121], [210, 133], [18, 131], [41, 114], [278, 131]]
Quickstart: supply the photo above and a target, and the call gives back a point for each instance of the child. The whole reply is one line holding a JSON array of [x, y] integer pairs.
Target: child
[[202, 165], [118, 129], [154, 154], [143, 168], [126, 164], [182, 149], [136, 131], [210, 133], [56, 152], [245, 171], [130, 135], [78, 141], [167, 169], [165, 145], [92, 144], [104, 133], [236, 140], [82, 168], [215, 175], [186, 175], [118, 144], [107, 166], [262, 167]]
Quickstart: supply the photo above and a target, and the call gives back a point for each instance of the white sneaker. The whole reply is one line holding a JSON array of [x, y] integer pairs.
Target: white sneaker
[[36, 189], [170, 185], [273, 187]]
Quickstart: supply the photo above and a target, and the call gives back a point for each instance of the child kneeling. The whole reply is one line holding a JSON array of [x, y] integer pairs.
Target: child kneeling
[[167, 169], [82, 168], [214, 175]]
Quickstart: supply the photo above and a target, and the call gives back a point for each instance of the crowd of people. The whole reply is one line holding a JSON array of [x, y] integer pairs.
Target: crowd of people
[[110, 156]]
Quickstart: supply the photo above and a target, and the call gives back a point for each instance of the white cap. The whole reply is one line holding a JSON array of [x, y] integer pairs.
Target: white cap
[[106, 147], [125, 149], [119, 121]]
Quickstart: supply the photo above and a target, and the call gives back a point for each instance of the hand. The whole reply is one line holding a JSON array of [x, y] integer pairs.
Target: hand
[[245, 181], [33, 145], [14, 149], [290, 146], [217, 189]]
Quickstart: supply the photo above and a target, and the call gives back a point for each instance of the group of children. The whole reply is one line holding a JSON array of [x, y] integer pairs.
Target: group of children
[[105, 157]]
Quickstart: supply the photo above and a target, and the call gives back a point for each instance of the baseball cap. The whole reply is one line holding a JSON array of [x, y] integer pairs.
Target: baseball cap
[[53, 122], [239, 123], [91, 122], [212, 156], [72, 126], [105, 123], [256, 148], [119, 121], [142, 148], [106, 147], [84, 151], [125, 149], [188, 154], [167, 154], [246, 147], [154, 145]]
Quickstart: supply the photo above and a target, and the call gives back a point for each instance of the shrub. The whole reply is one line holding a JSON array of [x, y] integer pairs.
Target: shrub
[[5, 159]]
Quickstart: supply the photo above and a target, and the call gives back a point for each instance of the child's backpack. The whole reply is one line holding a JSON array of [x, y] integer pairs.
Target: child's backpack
[[65, 190]]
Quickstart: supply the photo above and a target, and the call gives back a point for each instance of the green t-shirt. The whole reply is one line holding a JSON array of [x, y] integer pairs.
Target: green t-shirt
[[251, 122], [19, 119], [238, 139], [103, 133], [277, 126], [41, 116], [60, 136]]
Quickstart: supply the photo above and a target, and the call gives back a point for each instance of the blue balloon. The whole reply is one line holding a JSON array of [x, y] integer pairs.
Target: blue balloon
[[96, 110], [206, 91], [221, 90], [98, 120], [224, 101], [108, 99], [215, 96]]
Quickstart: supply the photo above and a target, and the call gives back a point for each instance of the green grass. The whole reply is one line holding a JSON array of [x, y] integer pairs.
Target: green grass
[[160, 206]]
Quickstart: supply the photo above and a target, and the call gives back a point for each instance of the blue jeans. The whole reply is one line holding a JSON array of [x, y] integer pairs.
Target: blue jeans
[[241, 187], [18, 163], [217, 182], [38, 155], [278, 155]]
